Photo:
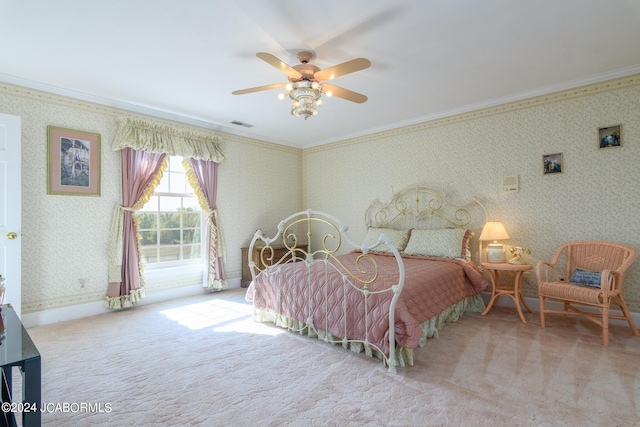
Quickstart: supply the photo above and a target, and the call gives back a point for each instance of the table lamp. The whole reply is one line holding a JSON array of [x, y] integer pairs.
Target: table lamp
[[494, 230]]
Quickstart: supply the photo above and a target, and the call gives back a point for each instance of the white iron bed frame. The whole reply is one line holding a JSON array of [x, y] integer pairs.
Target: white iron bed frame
[[421, 207]]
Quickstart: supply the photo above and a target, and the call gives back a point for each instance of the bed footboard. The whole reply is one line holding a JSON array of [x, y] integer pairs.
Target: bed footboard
[[327, 285]]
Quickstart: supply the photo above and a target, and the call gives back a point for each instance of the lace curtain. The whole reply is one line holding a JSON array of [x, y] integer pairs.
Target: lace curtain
[[144, 147]]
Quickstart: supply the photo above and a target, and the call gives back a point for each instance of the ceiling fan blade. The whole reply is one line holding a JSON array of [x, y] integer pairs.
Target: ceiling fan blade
[[287, 69], [343, 93], [258, 89], [342, 69]]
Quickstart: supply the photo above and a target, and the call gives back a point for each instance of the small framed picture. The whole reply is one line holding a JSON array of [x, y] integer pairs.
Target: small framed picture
[[552, 163], [609, 137], [73, 162]]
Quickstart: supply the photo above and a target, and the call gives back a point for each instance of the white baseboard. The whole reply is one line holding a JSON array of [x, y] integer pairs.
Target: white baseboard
[[62, 314], [80, 311], [534, 303]]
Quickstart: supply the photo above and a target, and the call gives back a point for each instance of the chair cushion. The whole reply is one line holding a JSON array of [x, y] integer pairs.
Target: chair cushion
[[582, 277]]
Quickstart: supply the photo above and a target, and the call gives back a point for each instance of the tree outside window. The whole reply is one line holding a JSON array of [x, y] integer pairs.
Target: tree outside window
[[171, 222]]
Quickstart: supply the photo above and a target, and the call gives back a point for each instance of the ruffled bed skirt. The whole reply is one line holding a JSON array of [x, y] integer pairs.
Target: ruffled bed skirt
[[404, 356]]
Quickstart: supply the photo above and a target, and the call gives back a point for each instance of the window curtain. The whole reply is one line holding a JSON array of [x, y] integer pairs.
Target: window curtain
[[203, 177], [141, 174], [144, 148]]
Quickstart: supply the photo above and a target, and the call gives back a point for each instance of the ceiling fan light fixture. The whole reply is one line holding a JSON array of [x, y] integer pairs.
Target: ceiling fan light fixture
[[305, 97], [307, 82]]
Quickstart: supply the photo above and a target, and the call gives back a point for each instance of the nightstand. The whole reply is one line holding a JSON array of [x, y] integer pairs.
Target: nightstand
[[278, 252], [514, 292]]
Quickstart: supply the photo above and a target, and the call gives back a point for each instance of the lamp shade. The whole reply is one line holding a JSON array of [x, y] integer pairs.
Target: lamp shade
[[494, 230]]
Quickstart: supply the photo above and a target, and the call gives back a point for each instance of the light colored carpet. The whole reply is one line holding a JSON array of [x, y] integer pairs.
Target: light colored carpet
[[203, 361]]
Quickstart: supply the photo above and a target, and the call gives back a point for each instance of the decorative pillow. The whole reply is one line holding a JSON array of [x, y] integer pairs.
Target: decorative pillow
[[445, 243], [466, 253], [582, 277], [398, 238]]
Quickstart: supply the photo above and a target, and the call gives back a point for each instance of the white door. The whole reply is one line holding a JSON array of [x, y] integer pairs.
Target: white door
[[10, 226]]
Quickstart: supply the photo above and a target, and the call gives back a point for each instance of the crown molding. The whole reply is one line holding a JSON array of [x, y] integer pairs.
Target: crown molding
[[108, 107], [617, 79], [500, 106]]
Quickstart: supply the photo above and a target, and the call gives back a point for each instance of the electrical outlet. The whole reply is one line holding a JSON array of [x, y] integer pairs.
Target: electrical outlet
[[82, 282]]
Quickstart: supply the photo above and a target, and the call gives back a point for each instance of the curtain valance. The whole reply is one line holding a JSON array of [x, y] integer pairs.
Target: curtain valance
[[157, 138]]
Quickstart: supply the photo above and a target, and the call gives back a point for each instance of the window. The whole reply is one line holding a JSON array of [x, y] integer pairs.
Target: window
[[171, 222]]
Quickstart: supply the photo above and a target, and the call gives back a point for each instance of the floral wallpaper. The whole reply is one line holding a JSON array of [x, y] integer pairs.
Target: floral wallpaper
[[596, 197], [64, 238]]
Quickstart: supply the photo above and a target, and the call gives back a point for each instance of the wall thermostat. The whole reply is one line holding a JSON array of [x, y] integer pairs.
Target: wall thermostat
[[510, 184]]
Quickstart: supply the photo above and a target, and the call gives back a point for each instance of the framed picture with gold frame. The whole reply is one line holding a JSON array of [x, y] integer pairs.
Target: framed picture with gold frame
[[73, 162]]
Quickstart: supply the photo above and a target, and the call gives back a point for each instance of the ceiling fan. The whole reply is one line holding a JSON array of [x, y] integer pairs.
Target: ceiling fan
[[306, 82]]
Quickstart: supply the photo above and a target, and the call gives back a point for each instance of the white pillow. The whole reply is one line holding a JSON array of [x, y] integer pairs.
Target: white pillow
[[398, 238], [444, 243]]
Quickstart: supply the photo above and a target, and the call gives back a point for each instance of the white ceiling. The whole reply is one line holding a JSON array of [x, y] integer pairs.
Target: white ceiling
[[430, 58]]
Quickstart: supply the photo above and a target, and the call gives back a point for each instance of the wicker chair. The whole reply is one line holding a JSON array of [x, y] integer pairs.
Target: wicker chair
[[605, 264]]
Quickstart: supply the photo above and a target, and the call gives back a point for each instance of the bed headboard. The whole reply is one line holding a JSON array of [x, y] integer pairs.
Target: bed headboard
[[310, 235], [425, 207]]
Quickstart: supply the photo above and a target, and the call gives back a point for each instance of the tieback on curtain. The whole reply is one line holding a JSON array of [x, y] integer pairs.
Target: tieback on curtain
[[214, 222], [115, 243]]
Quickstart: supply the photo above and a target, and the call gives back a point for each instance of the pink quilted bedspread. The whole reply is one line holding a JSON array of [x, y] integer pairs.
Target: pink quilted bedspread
[[319, 293]]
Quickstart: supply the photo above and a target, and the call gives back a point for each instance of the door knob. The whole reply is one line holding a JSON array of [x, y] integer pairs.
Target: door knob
[[12, 236]]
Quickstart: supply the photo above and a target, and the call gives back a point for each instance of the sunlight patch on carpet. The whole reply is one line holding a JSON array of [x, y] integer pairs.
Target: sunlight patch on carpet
[[221, 316]]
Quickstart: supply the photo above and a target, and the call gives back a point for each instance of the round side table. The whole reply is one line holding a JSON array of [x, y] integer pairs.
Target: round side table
[[514, 292]]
